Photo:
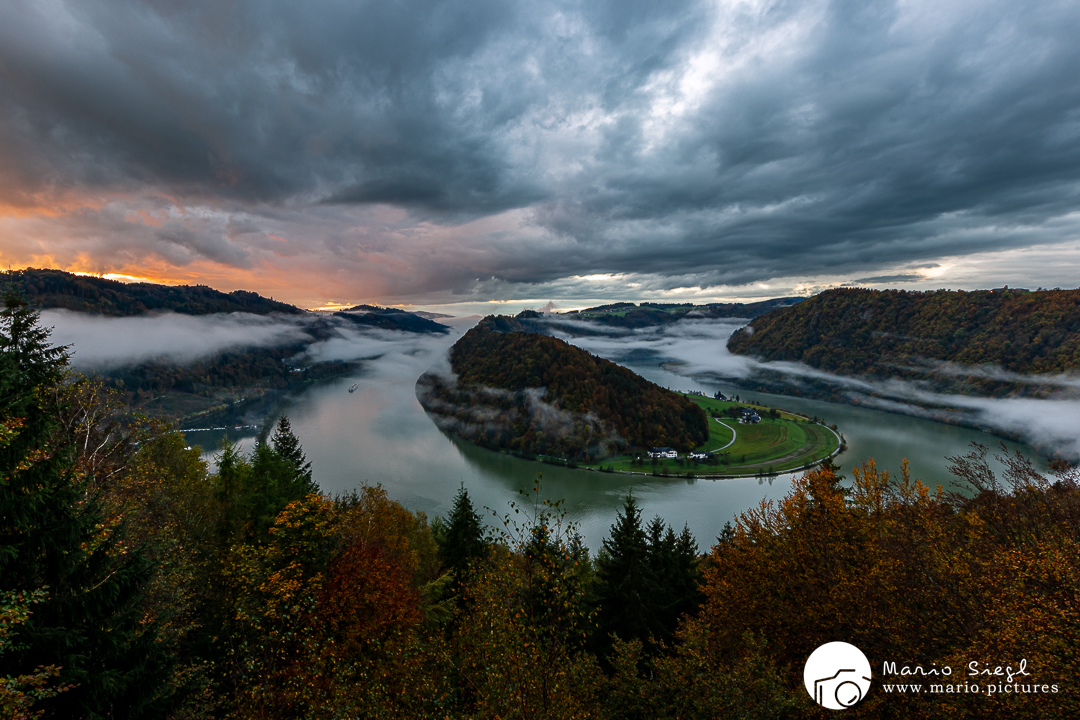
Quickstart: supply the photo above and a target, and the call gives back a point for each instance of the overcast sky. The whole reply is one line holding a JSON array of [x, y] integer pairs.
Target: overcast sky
[[459, 151]]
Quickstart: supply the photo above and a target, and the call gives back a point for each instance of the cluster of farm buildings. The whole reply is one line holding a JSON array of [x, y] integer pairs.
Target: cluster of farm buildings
[[673, 454], [748, 416]]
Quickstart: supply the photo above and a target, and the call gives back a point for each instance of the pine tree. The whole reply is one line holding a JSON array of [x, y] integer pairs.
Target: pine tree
[[647, 580], [727, 535], [463, 541], [56, 542], [230, 486], [662, 553]]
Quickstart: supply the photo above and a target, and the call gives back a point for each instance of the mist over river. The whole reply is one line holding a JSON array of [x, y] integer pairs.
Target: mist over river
[[380, 434]]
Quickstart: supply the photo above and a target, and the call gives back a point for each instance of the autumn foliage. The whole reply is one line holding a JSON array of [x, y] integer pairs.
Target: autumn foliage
[[890, 333], [909, 575], [136, 582], [533, 393]]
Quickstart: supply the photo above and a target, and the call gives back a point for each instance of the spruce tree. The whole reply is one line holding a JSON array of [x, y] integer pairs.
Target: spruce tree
[[463, 541], [647, 580], [287, 446], [55, 541], [626, 582], [253, 490], [661, 553], [674, 559]]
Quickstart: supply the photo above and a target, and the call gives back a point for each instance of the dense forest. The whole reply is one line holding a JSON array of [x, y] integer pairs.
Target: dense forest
[[531, 393], [234, 385], [885, 332], [647, 314], [45, 289], [137, 583], [391, 319]]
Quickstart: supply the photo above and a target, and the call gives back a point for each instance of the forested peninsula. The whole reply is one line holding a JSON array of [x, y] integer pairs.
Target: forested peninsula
[[949, 336], [531, 393]]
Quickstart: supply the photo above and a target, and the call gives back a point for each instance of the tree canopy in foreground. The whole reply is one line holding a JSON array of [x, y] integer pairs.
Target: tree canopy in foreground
[[137, 582]]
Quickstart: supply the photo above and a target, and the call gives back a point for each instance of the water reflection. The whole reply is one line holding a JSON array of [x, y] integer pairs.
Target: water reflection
[[888, 438], [380, 434]]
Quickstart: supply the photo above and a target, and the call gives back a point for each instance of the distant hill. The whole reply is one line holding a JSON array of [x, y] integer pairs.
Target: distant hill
[[391, 319], [888, 332], [45, 289], [629, 315], [533, 393]]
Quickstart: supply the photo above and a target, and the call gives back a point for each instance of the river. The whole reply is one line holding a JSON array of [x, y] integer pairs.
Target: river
[[380, 434]]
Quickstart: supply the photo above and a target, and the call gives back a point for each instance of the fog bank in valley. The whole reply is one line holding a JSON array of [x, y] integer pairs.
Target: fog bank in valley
[[103, 343], [106, 343], [698, 348], [692, 348]]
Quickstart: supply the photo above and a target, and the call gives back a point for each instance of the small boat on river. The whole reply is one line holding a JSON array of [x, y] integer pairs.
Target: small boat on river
[[352, 388]]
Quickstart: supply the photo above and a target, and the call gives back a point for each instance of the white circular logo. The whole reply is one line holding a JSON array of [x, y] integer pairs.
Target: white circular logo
[[837, 675]]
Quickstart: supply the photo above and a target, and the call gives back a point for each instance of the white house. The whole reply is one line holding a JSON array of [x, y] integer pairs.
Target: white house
[[750, 416], [663, 452]]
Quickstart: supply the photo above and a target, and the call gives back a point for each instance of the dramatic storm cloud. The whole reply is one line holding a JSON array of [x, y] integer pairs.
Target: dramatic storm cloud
[[451, 149]]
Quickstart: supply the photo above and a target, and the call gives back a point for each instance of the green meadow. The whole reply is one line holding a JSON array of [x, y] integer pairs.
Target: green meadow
[[782, 441]]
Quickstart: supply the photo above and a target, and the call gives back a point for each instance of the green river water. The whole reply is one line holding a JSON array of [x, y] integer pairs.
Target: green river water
[[380, 434]]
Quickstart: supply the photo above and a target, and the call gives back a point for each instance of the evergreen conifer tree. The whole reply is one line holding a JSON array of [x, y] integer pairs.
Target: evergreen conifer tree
[[252, 491], [661, 553], [56, 542], [626, 582], [463, 541], [287, 446], [674, 560], [647, 580]]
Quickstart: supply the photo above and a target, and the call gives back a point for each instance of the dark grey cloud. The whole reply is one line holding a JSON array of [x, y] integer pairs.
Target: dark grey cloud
[[709, 143], [900, 278], [873, 142]]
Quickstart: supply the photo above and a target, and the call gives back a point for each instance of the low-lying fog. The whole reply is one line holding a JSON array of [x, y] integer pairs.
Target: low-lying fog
[[694, 348], [380, 434], [698, 348], [105, 343]]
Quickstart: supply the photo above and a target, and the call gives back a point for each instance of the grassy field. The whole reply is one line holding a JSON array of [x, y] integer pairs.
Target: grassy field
[[781, 441]]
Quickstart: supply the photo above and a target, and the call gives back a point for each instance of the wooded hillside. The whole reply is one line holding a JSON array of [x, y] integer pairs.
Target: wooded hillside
[[391, 319], [45, 289], [879, 332], [629, 315], [538, 394]]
